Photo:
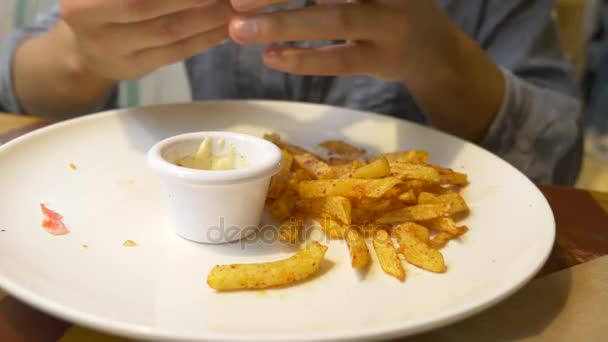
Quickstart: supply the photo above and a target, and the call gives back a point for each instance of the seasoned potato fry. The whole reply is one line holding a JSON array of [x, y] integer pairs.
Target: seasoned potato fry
[[283, 207], [413, 156], [391, 196], [372, 204], [337, 161], [280, 181], [368, 229], [359, 253], [387, 255], [293, 149], [454, 200], [420, 212], [290, 229], [377, 169], [296, 268], [419, 253], [333, 228], [337, 207], [421, 232], [410, 171], [408, 197], [356, 188], [451, 177], [347, 170], [298, 176], [315, 167], [343, 149], [446, 224], [441, 240], [362, 216], [421, 186]]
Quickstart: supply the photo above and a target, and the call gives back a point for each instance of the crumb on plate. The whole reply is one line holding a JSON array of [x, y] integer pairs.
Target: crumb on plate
[[73, 166], [85, 246], [129, 243]]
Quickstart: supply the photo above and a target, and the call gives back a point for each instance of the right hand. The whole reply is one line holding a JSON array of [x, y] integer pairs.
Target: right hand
[[127, 39]]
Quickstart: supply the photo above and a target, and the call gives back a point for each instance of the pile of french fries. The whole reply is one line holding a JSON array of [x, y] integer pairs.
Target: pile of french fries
[[396, 197]]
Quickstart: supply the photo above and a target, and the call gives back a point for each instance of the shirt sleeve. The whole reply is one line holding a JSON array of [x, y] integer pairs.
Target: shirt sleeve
[[538, 128], [8, 98]]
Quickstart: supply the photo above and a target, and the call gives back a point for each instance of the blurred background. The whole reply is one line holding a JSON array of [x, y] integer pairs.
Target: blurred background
[[584, 30]]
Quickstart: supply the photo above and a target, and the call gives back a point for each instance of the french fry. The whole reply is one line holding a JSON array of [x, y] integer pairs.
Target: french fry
[[419, 253], [280, 181], [337, 161], [451, 177], [387, 255], [347, 170], [410, 171], [377, 169], [416, 213], [333, 228], [454, 200], [343, 149], [359, 253], [372, 204], [421, 232], [337, 207], [297, 177], [447, 225], [290, 229], [282, 208], [361, 216], [413, 156], [440, 240], [293, 149], [408, 197], [315, 167], [352, 188], [296, 268], [368, 229], [394, 195]]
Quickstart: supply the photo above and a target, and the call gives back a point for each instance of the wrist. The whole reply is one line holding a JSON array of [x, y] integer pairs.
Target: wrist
[[466, 90]]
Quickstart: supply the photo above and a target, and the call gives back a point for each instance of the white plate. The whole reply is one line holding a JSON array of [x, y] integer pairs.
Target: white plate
[[157, 290]]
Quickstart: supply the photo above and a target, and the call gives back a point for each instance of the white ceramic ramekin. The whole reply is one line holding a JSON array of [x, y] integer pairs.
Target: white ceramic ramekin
[[215, 206]]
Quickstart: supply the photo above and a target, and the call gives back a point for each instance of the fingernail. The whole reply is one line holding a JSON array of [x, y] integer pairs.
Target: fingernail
[[243, 4], [246, 29]]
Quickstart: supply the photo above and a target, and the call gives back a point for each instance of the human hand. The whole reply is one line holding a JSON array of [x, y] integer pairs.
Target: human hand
[[127, 39], [413, 42]]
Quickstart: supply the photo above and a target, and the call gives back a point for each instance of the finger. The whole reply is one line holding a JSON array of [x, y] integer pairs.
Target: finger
[[338, 60], [254, 5], [344, 21], [178, 51], [124, 11], [168, 29]]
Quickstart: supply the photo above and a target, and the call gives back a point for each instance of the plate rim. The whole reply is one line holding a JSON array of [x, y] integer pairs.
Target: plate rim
[[458, 313]]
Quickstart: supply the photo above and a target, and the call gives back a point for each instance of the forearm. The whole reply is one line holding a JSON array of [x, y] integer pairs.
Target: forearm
[[50, 80]]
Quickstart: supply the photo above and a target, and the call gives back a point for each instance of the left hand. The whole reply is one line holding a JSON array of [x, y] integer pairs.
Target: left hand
[[410, 41]]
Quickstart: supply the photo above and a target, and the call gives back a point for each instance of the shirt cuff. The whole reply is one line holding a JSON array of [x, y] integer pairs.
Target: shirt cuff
[[501, 126], [8, 96]]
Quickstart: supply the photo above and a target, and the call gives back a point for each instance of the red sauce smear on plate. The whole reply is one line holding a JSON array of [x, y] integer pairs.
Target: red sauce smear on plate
[[53, 222]]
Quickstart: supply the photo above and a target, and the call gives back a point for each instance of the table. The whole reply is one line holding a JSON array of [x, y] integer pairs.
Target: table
[[566, 302]]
